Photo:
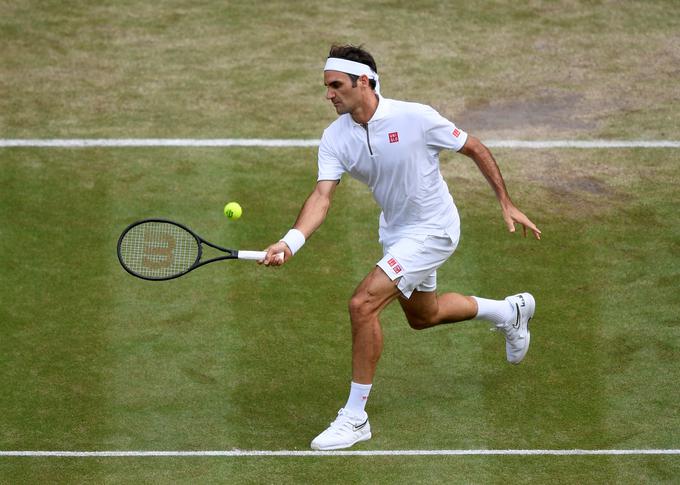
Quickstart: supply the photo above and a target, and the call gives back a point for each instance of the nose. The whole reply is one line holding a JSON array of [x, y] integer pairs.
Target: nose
[[330, 93]]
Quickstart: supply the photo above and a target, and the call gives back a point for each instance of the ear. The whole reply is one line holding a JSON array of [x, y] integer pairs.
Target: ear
[[363, 79]]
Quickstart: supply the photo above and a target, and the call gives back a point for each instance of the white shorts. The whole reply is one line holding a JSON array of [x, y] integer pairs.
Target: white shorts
[[414, 259]]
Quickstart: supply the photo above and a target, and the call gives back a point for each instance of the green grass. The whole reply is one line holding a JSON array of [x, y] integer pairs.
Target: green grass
[[239, 356], [358, 469], [233, 356]]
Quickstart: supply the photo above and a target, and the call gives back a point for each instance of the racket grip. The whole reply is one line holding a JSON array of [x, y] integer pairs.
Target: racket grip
[[255, 255]]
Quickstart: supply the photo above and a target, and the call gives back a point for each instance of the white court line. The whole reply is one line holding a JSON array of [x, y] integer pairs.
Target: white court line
[[295, 453], [261, 142], [154, 142]]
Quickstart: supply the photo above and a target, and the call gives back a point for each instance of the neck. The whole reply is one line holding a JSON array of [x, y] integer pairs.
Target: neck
[[365, 111]]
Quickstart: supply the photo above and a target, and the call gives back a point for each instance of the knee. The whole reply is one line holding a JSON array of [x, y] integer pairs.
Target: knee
[[418, 323], [422, 322], [359, 307], [363, 305]]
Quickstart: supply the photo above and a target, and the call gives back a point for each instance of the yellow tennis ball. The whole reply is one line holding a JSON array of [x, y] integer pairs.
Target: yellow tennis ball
[[233, 210]]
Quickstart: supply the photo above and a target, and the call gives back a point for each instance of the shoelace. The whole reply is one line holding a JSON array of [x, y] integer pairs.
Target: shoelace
[[342, 421]]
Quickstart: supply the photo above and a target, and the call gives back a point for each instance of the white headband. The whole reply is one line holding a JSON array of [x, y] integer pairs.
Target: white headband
[[351, 67]]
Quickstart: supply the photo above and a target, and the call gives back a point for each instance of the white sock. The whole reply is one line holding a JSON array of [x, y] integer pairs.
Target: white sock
[[496, 311], [358, 395]]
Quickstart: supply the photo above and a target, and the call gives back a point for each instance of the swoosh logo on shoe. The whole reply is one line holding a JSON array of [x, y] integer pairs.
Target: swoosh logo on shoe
[[516, 324], [357, 427]]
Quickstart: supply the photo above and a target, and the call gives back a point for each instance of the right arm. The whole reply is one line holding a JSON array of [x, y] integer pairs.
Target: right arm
[[310, 218]]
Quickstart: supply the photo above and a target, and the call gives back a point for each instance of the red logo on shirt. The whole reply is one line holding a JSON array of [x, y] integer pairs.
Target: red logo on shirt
[[394, 137], [456, 132]]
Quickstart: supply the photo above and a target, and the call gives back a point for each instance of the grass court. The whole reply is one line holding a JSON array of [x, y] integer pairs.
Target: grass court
[[236, 356]]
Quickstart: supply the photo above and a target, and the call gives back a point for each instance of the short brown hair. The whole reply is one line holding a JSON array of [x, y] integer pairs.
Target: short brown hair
[[356, 54]]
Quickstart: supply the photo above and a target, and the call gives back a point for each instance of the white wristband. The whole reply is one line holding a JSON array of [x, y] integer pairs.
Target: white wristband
[[294, 239]]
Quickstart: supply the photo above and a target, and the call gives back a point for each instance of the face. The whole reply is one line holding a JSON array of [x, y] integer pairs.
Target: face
[[340, 92]]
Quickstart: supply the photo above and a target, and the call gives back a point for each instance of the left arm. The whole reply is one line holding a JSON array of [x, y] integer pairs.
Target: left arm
[[482, 156]]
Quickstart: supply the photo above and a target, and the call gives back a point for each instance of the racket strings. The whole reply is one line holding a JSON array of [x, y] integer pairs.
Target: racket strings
[[158, 250]]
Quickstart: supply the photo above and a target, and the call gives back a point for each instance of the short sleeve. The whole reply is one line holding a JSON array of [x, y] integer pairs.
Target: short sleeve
[[442, 133], [330, 166]]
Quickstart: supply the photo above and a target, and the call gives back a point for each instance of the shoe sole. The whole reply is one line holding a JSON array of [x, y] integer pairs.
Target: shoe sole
[[365, 437]]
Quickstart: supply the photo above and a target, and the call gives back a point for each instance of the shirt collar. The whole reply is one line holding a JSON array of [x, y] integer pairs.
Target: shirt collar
[[380, 112], [382, 109]]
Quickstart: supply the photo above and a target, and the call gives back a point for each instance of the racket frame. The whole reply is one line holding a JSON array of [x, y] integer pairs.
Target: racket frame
[[229, 253]]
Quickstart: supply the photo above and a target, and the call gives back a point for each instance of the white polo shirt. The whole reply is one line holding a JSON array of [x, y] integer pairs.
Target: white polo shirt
[[397, 155]]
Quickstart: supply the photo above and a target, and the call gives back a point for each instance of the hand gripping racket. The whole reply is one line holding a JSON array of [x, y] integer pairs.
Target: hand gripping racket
[[157, 249]]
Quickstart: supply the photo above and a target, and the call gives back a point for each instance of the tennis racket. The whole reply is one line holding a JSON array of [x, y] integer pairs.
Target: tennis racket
[[158, 249]]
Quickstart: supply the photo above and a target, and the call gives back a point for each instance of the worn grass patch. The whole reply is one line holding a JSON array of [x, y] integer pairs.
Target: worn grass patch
[[252, 69]]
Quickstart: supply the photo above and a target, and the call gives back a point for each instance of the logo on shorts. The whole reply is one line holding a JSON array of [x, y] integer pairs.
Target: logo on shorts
[[394, 265], [456, 132], [394, 137]]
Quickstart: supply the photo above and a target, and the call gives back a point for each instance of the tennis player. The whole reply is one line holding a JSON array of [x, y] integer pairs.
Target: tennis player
[[393, 147]]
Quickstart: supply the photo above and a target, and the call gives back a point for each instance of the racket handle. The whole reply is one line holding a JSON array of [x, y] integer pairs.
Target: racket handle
[[255, 255]]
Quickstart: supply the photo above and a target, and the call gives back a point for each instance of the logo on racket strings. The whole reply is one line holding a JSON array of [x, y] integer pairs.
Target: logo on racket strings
[[158, 250]]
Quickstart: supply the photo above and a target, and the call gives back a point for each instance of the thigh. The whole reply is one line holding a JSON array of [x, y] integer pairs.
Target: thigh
[[375, 291], [421, 306]]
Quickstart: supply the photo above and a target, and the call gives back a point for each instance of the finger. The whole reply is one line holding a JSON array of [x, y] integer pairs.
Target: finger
[[274, 257], [269, 258], [510, 225], [534, 229]]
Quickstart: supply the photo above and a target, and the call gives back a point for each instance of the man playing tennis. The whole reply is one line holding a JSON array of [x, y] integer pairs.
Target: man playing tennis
[[393, 147]]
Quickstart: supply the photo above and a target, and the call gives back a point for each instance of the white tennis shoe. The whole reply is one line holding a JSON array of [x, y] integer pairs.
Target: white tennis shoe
[[516, 329], [345, 431]]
